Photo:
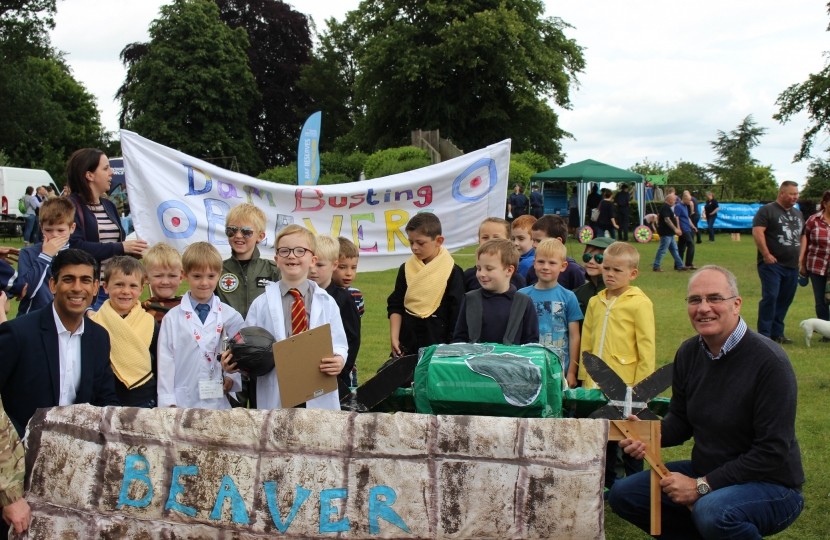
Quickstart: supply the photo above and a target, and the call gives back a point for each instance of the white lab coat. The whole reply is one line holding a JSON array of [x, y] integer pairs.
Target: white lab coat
[[266, 312], [181, 364]]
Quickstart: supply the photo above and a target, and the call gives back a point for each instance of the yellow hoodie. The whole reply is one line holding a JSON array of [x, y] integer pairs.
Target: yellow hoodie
[[621, 332]]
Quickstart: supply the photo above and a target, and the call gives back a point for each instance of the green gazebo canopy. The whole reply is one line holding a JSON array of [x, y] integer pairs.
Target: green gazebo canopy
[[587, 171]]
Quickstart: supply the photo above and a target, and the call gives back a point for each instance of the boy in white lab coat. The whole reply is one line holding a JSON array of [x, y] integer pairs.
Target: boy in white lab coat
[[190, 371], [293, 305]]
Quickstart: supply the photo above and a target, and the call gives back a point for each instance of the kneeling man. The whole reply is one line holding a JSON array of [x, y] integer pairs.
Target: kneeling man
[[734, 391]]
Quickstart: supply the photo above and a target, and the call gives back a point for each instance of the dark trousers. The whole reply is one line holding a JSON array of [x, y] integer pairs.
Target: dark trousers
[[710, 220], [751, 511], [602, 227], [687, 245], [618, 461], [537, 211], [819, 284], [696, 220], [778, 285], [623, 220]]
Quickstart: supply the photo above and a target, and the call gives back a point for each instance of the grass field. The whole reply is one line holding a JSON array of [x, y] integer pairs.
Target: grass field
[[667, 291]]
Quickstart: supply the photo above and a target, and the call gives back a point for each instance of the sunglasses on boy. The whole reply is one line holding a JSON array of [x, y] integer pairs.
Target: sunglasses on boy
[[586, 257], [247, 232]]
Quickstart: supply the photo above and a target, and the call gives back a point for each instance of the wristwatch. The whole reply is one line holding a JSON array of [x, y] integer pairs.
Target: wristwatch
[[702, 487]]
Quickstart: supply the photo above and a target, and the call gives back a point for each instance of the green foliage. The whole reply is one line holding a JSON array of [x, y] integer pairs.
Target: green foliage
[[735, 166], [537, 162], [684, 172], [818, 180], [349, 165], [329, 179], [649, 167], [193, 89], [480, 71], [520, 173], [4, 159], [281, 175], [394, 161], [24, 29]]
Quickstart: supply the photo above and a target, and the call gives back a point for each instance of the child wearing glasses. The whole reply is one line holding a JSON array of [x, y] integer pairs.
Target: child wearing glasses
[[552, 226], [556, 307], [592, 261], [244, 273], [292, 305]]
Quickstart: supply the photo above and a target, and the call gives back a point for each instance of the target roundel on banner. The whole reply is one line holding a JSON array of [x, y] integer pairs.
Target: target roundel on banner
[[176, 220], [476, 181], [585, 234], [643, 234]]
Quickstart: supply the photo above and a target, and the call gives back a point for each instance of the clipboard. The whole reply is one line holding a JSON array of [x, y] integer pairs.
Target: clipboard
[[297, 362]]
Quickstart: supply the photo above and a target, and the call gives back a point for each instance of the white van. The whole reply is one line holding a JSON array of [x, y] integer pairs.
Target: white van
[[13, 184]]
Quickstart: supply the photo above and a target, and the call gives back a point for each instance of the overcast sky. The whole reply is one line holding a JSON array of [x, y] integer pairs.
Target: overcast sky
[[661, 77]]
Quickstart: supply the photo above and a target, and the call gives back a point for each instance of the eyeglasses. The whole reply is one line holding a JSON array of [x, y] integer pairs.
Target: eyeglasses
[[586, 257], [298, 252], [710, 299], [247, 232]]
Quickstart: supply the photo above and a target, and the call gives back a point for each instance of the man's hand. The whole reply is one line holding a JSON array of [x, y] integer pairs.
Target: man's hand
[[9, 254], [332, 366], [227, 365], [635, 449], [680, 488], [53, 246], [769, 258], [17, 515]]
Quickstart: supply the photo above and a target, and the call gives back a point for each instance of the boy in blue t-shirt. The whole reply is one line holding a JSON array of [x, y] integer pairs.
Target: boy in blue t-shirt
[[556, 307]]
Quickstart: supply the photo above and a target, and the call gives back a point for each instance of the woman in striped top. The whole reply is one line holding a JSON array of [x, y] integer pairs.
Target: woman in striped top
[[97, 227]]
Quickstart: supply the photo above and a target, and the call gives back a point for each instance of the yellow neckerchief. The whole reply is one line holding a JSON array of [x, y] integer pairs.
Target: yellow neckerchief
[[426, 283], [130, 339]]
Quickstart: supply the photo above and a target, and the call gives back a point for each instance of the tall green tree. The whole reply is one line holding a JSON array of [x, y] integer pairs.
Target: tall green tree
[[478, 70], [647, 167], [818, 179], [735, 166], [813, 96], [685, 172], [193, 90]]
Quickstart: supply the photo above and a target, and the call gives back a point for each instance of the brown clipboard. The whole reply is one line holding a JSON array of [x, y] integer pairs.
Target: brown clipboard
[[297, 362]]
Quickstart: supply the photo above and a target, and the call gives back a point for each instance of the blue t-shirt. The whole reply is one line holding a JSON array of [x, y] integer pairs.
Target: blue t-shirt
[[555, 309], [526, 262], [682, 214]]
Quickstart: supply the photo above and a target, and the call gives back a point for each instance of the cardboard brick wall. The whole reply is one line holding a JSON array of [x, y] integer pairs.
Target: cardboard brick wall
[[303, 473]]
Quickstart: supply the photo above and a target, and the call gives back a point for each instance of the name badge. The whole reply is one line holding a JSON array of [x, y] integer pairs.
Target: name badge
[[210, 388]]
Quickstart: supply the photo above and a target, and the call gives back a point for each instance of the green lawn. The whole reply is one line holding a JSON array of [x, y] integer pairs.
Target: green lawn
[[667, 291]]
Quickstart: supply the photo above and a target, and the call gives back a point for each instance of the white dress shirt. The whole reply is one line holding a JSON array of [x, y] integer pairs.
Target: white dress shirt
[[69, 348]]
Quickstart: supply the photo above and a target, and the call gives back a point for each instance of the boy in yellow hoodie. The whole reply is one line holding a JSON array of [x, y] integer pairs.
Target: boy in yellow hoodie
[[619, 328]]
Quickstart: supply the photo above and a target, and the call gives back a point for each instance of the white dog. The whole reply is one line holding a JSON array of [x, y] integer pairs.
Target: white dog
[[815, 325]]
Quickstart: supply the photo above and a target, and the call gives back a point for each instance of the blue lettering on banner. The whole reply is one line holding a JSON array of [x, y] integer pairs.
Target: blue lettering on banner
[[271, 496], [191, 181], [382, 509], [139, 475], [176, 489], [456, 185], [215, 212], [239, 514], [326, 510], [191, 219]]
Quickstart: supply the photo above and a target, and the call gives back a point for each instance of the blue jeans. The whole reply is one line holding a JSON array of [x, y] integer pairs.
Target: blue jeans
[[612, 232], [740, 512], [667, 243], [29, 227], [778, 285], [819, 283], [710, 221]]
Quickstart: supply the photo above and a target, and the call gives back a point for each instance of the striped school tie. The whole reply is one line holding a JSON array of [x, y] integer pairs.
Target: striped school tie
[[299, 319]]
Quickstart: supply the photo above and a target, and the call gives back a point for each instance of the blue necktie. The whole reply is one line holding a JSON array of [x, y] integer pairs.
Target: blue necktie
[[202, 310]]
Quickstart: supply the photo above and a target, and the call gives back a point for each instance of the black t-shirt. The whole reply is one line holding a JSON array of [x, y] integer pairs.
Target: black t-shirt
[[782, 232], [622, 199], [710, 207], [663, 228], [606, 213]]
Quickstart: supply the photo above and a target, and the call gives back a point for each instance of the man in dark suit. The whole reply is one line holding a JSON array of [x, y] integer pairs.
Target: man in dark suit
[[55, 356]]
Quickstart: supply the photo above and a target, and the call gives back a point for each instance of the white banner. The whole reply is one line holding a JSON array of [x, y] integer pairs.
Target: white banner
[[178, 199]]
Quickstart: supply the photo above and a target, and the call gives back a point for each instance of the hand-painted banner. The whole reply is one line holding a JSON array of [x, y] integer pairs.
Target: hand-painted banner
[[308, 151], [178, 199], [310, 473], [732, 215]]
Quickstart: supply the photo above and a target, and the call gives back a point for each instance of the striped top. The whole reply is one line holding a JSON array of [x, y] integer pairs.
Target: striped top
[[108, 231]]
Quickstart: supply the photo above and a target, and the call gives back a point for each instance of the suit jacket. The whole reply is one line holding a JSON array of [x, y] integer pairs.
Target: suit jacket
[[30, 366]]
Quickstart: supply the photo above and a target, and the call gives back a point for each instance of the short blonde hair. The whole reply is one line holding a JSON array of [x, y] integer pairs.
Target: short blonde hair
[[247, 213], [297, 229], [328, 248], [201, 256], [625, 251], [524, 222], [347, 248], [162, 255], [498, 221], [552, 247], [129, 266], [504, 248]]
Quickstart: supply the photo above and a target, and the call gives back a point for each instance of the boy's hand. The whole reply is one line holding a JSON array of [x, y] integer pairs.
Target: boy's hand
[[5, 305], [53, 246], [227, 384], [332, 366], [8, 254], [396, 347], [571, 380], [227, 365]]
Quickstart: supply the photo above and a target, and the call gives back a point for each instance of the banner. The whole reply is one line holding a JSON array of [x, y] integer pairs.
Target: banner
[[308, 155], [178, 199], [733, 215], [308, 473]]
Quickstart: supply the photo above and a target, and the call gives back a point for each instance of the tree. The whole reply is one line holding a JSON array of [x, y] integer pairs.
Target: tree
[[647, 167], [736, 167], [280, 45], [480, 71], [818, 179], [192, 89], [24, 29], [813, 96], [685, 172]]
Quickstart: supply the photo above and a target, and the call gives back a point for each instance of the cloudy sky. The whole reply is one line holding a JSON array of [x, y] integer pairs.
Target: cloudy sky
[[661, 77]]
